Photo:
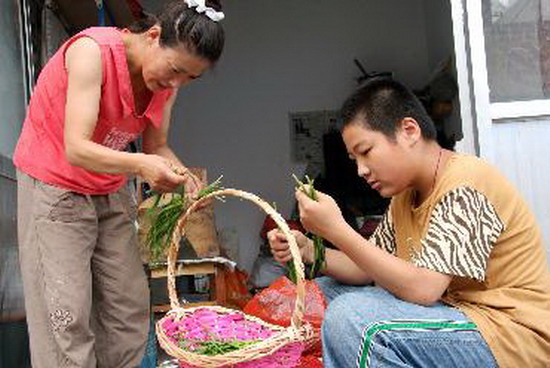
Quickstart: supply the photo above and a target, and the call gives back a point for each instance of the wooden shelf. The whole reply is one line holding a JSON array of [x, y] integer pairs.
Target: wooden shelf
[[185, 270], [216, 272]]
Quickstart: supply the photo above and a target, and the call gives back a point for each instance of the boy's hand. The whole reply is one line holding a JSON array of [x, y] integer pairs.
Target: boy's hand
[[319, 216], [281, 250]]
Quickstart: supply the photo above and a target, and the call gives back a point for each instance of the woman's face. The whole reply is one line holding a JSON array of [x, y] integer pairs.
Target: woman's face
[[384, 163], [170, 67]]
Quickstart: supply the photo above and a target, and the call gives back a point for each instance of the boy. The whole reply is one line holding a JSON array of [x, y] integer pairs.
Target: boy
[[455, 275]]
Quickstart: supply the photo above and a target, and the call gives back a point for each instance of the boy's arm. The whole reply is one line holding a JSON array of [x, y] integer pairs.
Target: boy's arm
[[341, 268], [456, 244], [338, 265], [345, 270], [403, 279]]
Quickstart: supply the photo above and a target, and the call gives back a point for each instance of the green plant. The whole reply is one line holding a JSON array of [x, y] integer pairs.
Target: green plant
[[164, 216], [318, 245]]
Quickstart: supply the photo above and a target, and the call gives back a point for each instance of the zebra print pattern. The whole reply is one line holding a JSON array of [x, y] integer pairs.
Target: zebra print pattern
[[384, 236], [463, 228]]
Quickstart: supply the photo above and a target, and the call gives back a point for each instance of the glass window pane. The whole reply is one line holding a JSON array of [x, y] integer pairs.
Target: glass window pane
[[517, 43]]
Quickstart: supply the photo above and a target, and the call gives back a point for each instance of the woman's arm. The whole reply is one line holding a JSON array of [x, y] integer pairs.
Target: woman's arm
[[155, 142], [83, 64]]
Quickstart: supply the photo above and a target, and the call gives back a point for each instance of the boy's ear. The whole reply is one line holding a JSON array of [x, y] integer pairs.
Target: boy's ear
[[410, 130]]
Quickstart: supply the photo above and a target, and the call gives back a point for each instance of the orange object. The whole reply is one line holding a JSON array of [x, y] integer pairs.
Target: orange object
[[275, 304], [237, 292], [310, 361]]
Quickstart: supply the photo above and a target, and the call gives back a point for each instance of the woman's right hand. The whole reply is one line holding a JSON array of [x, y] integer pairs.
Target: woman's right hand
[[280, 249], [158, 172]]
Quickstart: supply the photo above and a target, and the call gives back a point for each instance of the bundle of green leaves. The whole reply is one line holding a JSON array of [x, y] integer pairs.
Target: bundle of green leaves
[[318, 245], [164, 215]]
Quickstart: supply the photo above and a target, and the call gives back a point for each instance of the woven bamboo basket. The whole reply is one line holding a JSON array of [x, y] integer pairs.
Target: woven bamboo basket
[[298, 333]]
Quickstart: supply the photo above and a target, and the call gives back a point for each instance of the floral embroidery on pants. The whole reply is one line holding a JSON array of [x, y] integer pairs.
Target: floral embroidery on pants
[[60, 319]]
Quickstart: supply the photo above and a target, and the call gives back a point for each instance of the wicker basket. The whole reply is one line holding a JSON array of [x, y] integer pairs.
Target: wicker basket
[[281, 339]]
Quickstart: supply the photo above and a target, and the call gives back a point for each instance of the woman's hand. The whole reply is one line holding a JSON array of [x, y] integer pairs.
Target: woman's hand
[[159, 173], [280, 249], [322, 216], [192, 184]]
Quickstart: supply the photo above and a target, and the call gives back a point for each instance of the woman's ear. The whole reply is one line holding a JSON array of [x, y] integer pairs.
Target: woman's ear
[[409, 130], [153, 34]]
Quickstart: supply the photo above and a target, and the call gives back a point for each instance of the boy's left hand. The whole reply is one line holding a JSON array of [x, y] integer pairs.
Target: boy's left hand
[[320, 217]]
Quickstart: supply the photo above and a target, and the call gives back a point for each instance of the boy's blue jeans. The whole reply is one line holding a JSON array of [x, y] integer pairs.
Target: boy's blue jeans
[[366, 326]]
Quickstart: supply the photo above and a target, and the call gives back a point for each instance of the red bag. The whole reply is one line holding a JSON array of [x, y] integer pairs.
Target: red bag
[[237, 291], [310, 361], [275, 305], [270, 224]]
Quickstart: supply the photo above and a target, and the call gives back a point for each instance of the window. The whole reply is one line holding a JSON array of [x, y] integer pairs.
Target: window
[[517, 49]]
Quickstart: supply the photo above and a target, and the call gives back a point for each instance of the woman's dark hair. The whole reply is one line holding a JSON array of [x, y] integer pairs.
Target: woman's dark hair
[[382, 103], [181, 24]]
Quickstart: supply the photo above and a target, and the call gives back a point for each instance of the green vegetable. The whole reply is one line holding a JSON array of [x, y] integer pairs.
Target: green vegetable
[[214, 347], [164, 217], [319, 260]]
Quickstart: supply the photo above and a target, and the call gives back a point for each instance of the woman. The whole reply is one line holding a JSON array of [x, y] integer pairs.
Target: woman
[[454, 276], [86, 293]]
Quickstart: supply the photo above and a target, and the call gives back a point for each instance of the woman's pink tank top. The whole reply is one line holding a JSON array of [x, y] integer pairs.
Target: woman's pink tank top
[[40, 151]]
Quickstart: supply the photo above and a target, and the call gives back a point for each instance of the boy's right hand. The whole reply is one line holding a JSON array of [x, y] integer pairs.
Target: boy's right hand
[[280, 249], [158, 173]]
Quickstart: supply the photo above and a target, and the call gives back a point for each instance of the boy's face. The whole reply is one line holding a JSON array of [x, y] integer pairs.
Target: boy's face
[[383, 162]]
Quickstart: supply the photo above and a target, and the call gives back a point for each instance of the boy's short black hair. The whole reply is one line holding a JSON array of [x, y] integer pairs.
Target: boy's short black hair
[[381, 103]]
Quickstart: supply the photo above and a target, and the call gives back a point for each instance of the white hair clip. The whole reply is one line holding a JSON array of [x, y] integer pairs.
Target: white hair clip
[[200, 7]]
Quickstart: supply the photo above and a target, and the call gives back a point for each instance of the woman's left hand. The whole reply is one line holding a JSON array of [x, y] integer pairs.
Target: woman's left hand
[[191, 183], [320, 217]]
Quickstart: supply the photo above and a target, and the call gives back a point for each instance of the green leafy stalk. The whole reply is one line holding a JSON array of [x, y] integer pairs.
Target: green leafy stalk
[[291, 271], [164, 217], [318, 245], [163, 221], [214, 347], [210, 188]]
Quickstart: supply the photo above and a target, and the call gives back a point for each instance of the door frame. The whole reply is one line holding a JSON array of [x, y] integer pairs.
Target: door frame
[[477, 111]]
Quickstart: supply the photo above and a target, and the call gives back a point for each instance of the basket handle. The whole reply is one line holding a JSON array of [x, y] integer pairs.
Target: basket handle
[[179, 232]]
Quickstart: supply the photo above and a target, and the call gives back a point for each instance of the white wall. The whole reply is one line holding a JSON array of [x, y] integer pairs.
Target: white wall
[[284, 56], [521, 151]]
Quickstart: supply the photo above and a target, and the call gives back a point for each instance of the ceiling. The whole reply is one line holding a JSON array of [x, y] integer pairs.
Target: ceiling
[[79, 14]]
